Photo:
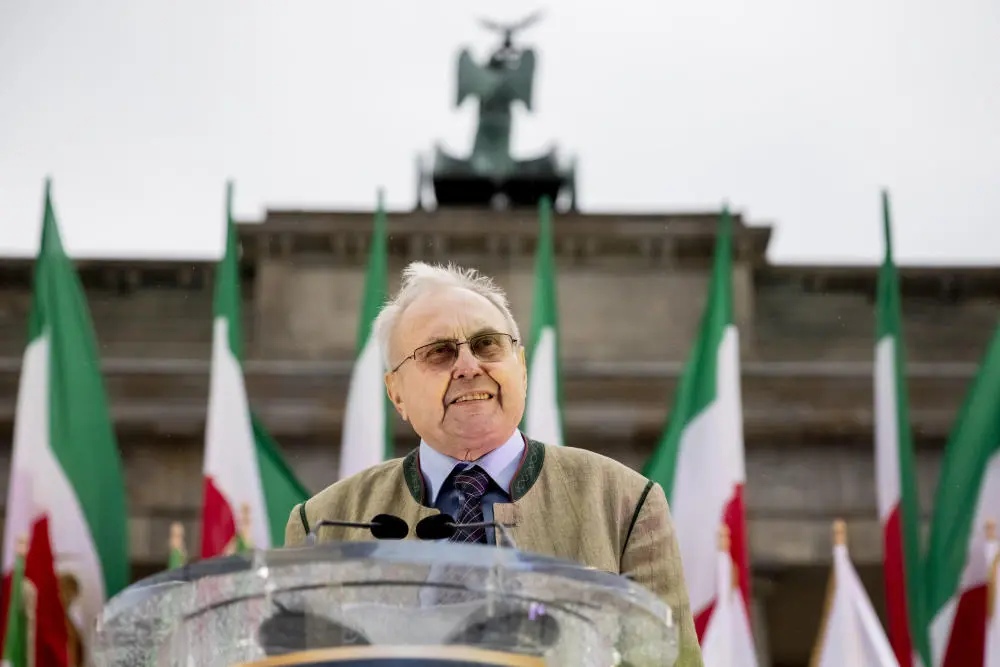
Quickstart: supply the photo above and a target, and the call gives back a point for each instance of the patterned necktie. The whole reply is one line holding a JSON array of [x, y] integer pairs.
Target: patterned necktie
[[471, 485]]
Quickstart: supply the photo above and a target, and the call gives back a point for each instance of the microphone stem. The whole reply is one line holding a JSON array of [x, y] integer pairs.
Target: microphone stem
[[345, 524]]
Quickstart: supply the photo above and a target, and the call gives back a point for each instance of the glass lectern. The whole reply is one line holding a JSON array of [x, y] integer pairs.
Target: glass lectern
[[385, 603]]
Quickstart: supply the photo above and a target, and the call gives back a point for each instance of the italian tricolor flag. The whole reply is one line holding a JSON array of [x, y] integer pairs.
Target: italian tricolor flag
[[896, 487], [700, 460], [15, 627], [968, 495], [850, 634], [36, 632], [249, 490], [991, 649], [366, 439], [727, 641], [543, 414], [66, 477]]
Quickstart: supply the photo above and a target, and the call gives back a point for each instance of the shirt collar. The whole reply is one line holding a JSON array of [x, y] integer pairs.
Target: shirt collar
[[500, 464]]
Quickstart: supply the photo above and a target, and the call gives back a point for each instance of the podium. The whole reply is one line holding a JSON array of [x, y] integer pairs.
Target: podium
[[386, 604]]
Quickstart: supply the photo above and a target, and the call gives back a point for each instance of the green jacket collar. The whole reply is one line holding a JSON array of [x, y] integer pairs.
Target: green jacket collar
[[525, 477]]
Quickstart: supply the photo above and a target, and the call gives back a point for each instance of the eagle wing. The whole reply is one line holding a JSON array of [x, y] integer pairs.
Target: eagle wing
[[472, 79], [520, 80]]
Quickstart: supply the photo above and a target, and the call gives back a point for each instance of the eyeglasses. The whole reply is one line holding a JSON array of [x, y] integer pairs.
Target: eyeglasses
[[443, 353]]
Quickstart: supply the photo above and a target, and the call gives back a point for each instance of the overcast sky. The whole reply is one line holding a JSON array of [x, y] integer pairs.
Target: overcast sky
[[796, 113]]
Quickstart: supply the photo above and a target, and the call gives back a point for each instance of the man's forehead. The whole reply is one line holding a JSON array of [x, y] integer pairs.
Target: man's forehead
[[444, 312]]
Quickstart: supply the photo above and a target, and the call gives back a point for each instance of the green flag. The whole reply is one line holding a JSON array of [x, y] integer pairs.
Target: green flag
[[968, 495], [367, 436], [543, 411], [66, 467], [700, 460], [896, 485], [246, 479]]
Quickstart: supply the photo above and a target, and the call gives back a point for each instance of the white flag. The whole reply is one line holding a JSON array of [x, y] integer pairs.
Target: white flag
[[850, 634], [728, 637]]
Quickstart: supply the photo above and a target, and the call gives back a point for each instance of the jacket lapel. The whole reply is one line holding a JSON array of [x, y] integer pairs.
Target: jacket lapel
[[519, 517]]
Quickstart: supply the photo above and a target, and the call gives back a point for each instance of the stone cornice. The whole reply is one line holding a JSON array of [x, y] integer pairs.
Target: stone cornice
[[344, 236], [581, 239], [648, 238], [124, 275], [941, 282]]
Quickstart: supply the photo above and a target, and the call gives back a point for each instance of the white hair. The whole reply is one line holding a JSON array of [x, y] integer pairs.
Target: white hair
[[419, 278]]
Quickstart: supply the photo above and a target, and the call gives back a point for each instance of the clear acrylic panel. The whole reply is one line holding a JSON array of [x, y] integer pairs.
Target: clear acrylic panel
[[386, 598]]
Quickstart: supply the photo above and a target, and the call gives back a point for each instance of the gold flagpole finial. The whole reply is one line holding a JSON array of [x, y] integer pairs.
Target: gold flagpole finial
[[21, 547], [840, 532], [177, 535], [724, 543], [245, 526], [725, 546]]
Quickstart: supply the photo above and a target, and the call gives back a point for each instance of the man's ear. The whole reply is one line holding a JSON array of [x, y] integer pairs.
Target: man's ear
[[524, 368], [392, 389]]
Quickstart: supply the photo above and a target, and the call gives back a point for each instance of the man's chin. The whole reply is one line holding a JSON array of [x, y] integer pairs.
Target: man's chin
[[482, 424], [475, 423], [472, 437]]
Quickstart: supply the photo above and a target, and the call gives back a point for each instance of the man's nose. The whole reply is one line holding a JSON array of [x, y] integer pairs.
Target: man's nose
[[466, 365]]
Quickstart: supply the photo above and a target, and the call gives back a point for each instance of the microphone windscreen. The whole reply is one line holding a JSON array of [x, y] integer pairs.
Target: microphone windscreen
[[436, 527], [502, 629], [389, 527], [293, 630]]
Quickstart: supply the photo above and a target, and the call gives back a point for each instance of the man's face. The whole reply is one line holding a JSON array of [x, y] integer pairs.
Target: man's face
[[464, 406]]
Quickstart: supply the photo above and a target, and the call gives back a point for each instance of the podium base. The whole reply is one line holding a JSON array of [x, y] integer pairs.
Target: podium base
[[399, 656]]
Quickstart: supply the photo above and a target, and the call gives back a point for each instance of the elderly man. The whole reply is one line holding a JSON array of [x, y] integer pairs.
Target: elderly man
[[456, 371]]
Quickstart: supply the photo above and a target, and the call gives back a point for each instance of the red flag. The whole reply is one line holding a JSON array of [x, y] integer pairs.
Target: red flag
[[45, 611]]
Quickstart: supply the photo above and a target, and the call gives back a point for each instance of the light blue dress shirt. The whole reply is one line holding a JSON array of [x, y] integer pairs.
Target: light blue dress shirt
[[501, 464]]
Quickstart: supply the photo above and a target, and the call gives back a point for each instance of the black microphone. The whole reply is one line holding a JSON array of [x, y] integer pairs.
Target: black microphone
[[442, 526], [436, 527], [382, 526], [290, 630]]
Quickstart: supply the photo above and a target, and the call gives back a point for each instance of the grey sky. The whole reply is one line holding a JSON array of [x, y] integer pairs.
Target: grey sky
[[795, 112]]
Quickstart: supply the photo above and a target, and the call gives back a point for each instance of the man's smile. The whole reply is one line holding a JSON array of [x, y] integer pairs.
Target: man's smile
[[473, 396]]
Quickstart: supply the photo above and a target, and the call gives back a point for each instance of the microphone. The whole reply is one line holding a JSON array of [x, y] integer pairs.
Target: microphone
[[290, 630], [442, 526], [382, 526]]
